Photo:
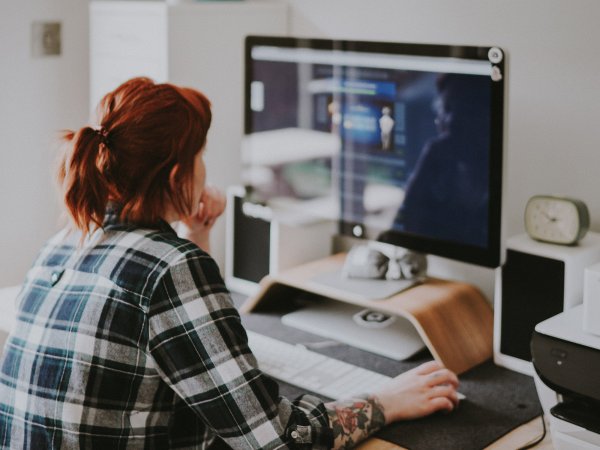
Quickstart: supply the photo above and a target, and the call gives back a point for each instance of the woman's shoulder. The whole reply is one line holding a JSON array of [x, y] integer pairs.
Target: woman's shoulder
[[164, 247], [133, 259], [188, 266], [173, 251], [156, 255]]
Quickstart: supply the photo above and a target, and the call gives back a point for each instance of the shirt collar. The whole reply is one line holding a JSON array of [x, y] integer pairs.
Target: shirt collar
[[112, 219]]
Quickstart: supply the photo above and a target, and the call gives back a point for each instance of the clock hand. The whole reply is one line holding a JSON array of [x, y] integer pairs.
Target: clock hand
[[550, 218]]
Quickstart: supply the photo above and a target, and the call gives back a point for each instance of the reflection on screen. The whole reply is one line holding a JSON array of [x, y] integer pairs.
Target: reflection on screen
[[380, 140]]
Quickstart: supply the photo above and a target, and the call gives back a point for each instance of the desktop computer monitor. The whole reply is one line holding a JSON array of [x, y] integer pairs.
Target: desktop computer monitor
[[399, 143]]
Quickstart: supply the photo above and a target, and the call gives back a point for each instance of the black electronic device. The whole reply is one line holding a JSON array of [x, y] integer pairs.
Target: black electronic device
[[399, 142], [259, 244], [537, 281], [567, 367], [567, 361], [251, 243], [533, 289], [571, 370]]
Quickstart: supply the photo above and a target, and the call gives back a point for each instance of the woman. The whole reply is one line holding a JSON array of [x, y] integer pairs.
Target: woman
[[127, 336]]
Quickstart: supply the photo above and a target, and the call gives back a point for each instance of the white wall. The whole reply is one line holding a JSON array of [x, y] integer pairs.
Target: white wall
[[553, 82], [38, 96], [553, 98]]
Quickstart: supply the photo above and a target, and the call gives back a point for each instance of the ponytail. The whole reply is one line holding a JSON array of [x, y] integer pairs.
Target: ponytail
[[142, 158], [83, 176]]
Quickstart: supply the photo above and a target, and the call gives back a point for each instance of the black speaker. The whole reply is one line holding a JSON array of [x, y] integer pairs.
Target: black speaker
[[537, 281], [260, 241], [251, 236]]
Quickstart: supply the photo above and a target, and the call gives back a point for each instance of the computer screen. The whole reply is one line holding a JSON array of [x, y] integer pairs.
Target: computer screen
[[400, 143]]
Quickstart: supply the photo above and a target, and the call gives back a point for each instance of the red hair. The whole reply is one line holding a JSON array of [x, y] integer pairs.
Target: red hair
[[141, 156]]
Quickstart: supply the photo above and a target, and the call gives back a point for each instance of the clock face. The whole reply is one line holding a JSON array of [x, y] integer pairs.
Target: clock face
[[555, 219]]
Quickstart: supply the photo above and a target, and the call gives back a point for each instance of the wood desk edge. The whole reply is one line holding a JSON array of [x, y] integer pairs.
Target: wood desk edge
[[517, 438]]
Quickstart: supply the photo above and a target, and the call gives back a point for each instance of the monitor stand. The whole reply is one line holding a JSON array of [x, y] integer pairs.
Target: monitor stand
[[367, 329], [361, 274], [378, 332], [452, 318]]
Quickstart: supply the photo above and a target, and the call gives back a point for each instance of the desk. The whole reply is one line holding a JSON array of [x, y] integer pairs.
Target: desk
[[483, 386], [269, 323], [511, 441]]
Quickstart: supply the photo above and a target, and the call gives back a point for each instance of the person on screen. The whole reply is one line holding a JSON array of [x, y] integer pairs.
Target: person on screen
[[126, 335], [446, 196], [333, 109], [386, 125]]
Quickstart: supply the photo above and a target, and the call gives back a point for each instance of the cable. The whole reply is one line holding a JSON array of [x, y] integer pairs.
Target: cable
[[537, 440]]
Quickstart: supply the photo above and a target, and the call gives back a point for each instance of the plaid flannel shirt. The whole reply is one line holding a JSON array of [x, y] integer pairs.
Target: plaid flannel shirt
[[131, 340]]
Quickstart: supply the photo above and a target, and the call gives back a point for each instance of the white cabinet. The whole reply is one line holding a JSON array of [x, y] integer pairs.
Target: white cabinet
[[197, 44], [127, 39]]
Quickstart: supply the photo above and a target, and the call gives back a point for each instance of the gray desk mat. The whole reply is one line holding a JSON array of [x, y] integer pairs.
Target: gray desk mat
[[498, 400]]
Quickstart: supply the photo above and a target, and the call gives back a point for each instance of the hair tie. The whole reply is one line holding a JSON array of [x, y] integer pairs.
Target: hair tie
[[103, 133]]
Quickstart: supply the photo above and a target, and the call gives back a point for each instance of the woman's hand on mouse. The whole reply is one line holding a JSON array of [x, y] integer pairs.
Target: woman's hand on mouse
[[419, 392]]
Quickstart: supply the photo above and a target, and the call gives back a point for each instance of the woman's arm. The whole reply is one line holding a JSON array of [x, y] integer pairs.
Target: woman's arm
[[354, 420], [200, 348], [411, 395]]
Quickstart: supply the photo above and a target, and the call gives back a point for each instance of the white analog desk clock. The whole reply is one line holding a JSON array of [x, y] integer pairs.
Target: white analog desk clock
[[559, 220]]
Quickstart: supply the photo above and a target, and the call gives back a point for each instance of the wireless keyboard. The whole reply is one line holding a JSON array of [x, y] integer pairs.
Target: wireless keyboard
[[329, 377], [296, 365]]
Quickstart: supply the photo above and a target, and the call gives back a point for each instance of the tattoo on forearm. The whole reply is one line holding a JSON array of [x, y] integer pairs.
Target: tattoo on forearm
[[354, 420]]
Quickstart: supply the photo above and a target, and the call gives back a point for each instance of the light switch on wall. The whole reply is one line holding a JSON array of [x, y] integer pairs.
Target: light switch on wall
[[45, 39]]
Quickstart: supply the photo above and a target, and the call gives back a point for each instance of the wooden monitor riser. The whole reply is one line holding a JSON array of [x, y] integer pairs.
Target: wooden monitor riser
[[453, 318]]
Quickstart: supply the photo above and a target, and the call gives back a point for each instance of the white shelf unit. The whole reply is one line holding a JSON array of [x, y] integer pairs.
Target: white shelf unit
[[196, 44]]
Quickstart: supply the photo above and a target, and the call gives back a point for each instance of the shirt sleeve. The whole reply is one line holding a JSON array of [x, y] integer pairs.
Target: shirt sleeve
[[201, 351]]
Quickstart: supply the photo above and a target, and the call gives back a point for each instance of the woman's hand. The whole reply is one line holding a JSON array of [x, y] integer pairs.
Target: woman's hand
[[413, 394], [197, 227], [419, 392]]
